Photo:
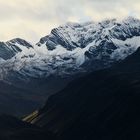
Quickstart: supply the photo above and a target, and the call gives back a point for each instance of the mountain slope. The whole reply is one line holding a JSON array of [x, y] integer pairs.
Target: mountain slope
[[17, 101], [103, 105]]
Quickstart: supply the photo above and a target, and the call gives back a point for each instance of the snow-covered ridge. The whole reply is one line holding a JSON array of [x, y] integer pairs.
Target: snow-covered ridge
[[70, 48], [11, 48], [73, 35]]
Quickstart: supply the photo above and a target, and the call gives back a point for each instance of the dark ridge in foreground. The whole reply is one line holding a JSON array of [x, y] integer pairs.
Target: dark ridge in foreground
[[101, 106]]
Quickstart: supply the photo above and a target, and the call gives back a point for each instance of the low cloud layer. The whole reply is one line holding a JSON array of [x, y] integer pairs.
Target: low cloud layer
[[31, 19]]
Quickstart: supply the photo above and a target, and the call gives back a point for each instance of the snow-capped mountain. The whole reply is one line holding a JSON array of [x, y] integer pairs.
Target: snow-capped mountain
[[71, 48], [36, 71]]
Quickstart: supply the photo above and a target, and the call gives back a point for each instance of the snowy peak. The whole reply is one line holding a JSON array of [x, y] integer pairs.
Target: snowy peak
[[20, 42], [73, 35], [101, 40], [11, 48], [70, 36]]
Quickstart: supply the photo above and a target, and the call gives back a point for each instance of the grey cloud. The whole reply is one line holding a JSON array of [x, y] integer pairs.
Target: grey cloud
[[36, 12]]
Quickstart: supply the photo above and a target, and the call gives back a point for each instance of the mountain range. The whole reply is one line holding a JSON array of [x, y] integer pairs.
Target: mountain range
[[31, 73]]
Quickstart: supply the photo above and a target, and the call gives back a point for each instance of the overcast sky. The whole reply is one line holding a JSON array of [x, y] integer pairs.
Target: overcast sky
[[32, 19]]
